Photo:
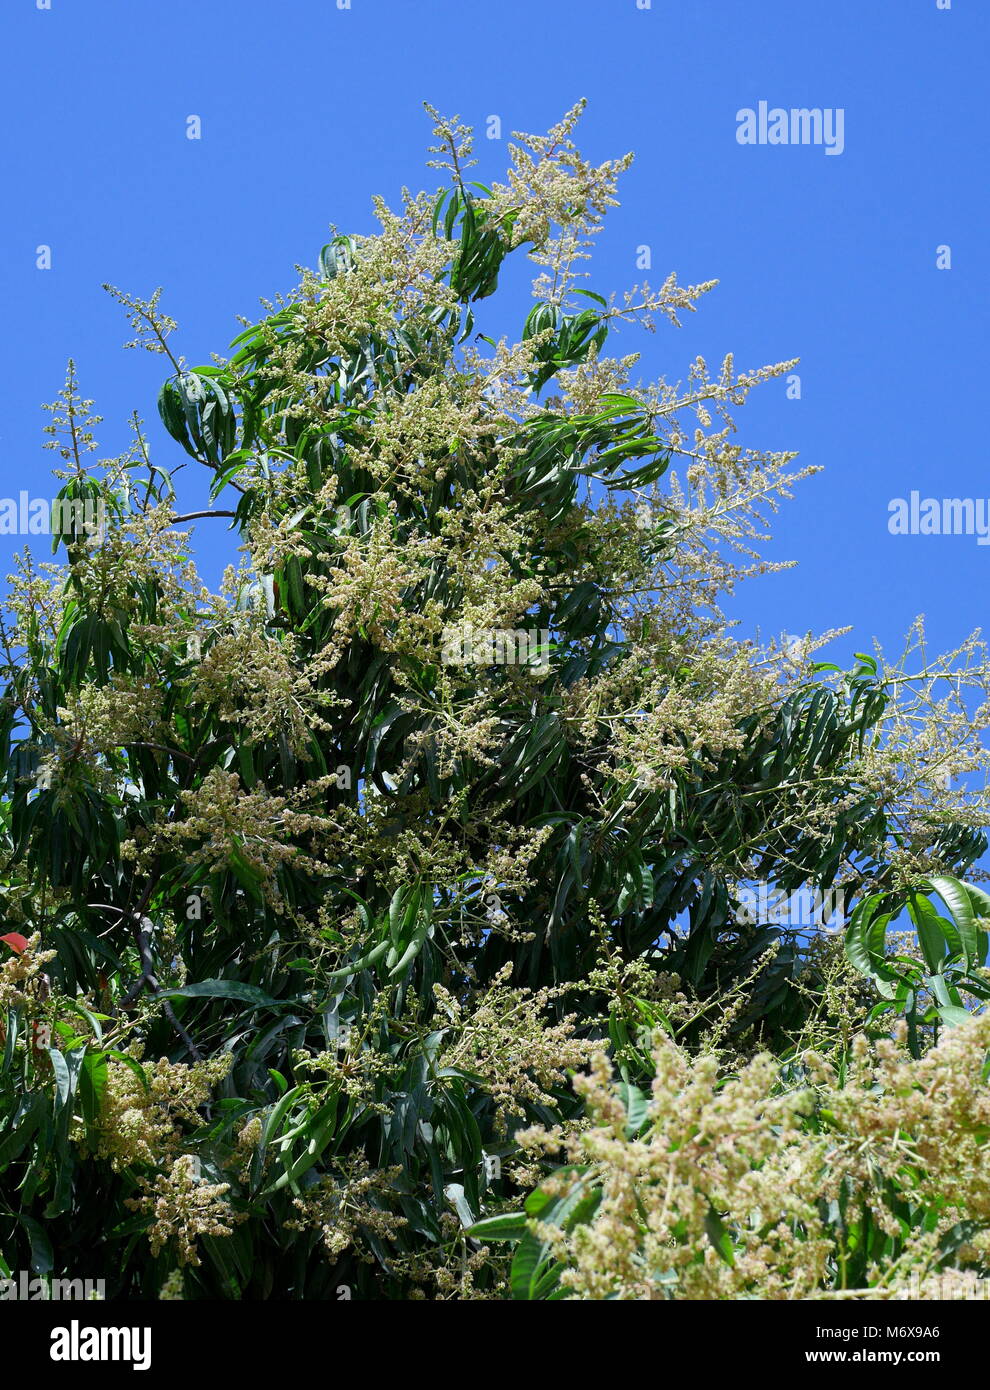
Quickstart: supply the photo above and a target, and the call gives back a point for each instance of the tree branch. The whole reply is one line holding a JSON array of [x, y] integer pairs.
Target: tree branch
[[195, 516]]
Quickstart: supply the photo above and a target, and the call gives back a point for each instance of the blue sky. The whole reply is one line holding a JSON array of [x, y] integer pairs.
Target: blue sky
[[307, 110]]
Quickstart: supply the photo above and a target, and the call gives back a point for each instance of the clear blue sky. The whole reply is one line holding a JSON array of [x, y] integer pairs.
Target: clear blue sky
[[307, 110]]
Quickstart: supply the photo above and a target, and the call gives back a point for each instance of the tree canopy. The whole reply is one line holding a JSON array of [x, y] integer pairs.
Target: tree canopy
[[320, 890]]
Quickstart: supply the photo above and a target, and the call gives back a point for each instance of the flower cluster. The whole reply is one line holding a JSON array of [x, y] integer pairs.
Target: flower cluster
[[183, 1207], [754, 1183], [145, 1106]]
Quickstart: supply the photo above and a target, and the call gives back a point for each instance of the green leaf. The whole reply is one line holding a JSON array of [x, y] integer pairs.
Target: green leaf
[[953, 1015], [719, 1237], [929, 925], [224, 989], [529, 1265], [857, 939], [42, 1256], [508, 1226], [956, 897]]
